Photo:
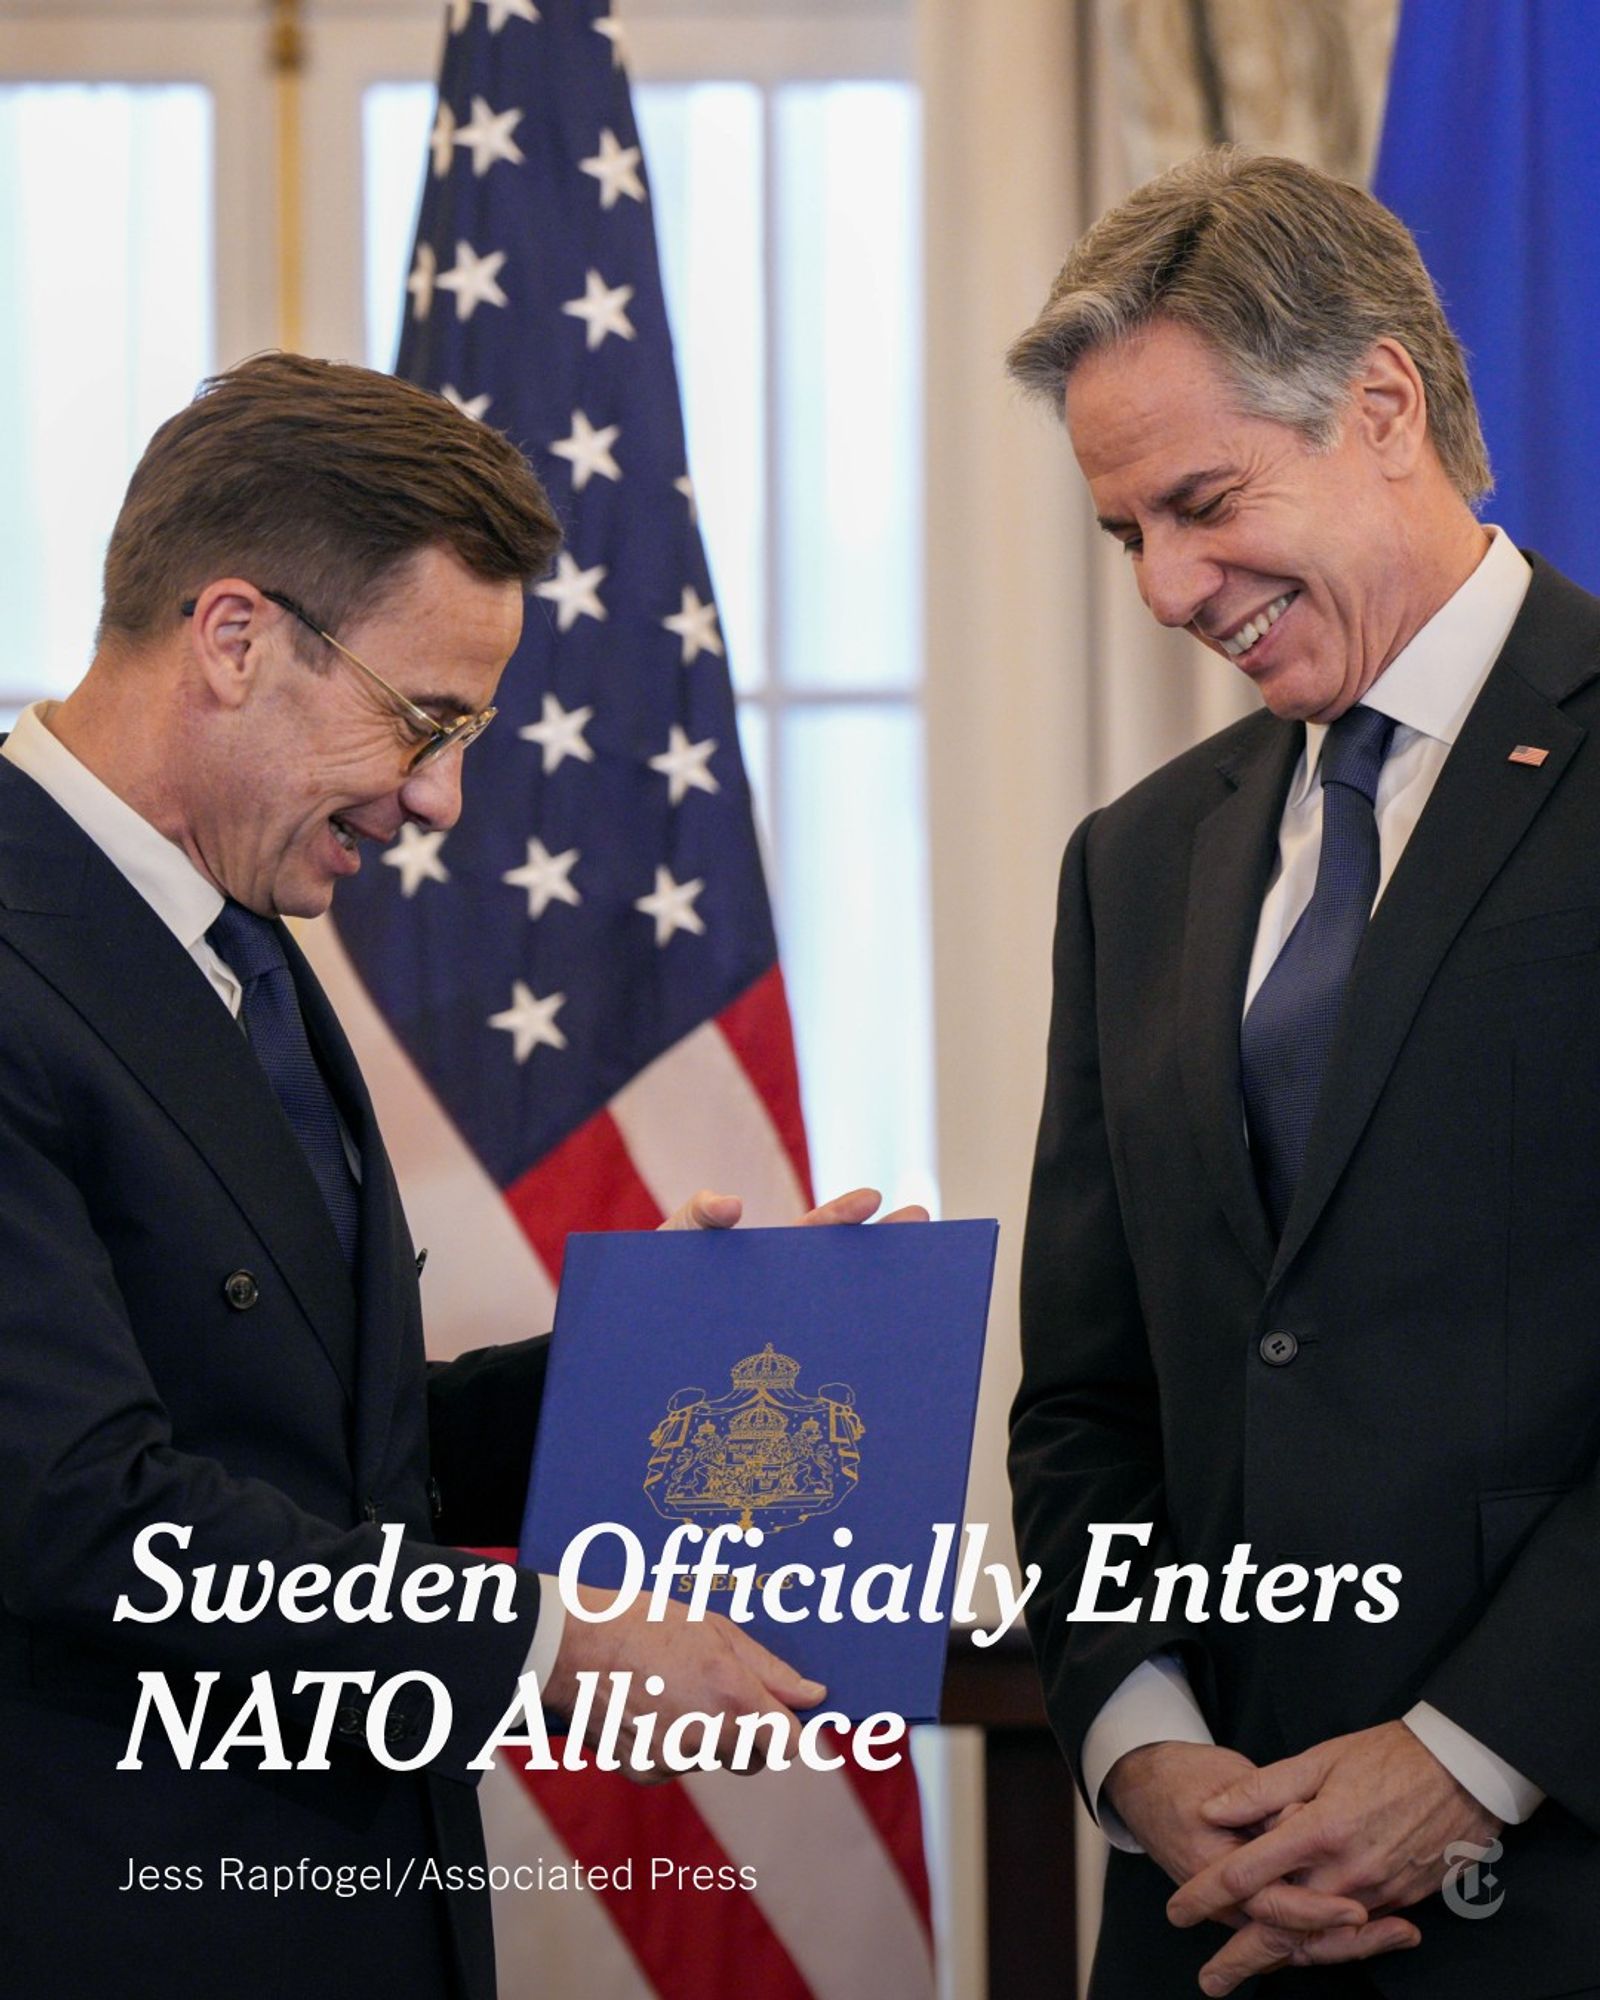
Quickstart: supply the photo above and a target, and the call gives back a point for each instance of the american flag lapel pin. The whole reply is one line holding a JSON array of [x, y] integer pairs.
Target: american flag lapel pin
[[1528, 753]]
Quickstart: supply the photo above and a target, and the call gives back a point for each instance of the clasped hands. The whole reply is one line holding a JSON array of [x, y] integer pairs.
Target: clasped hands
[[709, 1665], [1305, 1860]]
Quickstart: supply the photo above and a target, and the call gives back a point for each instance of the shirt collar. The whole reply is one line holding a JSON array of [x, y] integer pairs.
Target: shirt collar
[[1431, 683], [157, 867]]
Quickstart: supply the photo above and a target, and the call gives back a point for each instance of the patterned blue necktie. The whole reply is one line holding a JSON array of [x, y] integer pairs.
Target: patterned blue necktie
[[250, 947], [1288, 1031]]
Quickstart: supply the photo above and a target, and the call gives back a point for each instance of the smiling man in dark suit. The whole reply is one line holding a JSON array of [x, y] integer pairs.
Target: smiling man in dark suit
[[1312, 1261], [209, 1312]]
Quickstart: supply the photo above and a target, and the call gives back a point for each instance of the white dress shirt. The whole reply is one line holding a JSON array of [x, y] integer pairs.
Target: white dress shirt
[[1428, 688], [188, 905]]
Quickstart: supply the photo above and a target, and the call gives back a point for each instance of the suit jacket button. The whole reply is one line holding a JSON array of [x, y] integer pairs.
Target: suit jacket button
[[241, 1290], [396, 1729], [350, 1721], [1277, 1350]]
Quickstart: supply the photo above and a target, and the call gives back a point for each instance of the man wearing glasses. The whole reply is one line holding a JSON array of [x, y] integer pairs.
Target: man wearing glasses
[[311, 592]]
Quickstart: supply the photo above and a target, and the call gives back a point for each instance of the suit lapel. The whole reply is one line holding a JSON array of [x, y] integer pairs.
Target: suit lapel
[[1234, 850], [1481, 807], [89, 933]]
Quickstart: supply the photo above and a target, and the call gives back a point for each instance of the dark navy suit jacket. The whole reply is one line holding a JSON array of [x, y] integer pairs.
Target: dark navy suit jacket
[[1440, 1271], [282, 1415]]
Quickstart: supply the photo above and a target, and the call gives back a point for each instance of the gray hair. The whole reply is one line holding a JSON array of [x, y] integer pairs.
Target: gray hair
[[1288, 274]]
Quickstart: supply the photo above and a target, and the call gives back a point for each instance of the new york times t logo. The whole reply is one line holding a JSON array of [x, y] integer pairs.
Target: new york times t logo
[[1469, 1882]]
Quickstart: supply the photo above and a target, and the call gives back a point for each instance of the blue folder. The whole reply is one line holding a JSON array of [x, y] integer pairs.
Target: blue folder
[[803, 1381]]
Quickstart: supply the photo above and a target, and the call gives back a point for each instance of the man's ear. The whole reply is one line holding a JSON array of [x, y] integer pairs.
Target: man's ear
[[229, 618], [1392, 408]]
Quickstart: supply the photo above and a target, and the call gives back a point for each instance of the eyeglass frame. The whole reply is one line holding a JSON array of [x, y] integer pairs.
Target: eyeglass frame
[[444, 735]]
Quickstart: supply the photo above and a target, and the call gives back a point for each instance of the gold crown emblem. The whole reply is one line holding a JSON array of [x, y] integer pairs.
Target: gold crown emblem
[[766, 1370], [764, 1455]]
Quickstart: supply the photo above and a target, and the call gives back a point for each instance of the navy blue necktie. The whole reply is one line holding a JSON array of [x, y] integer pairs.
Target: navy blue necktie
[[250, 946], [1288, 1031]]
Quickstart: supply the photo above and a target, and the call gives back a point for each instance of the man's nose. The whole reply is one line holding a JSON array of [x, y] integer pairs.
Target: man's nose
[[431, 794], [1176, 579]]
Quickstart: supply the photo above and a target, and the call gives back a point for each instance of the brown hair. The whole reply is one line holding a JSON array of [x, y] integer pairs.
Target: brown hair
[[319, 479], [1288, 274]]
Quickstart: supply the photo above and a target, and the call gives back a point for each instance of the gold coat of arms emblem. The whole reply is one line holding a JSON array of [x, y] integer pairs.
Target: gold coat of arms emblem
[[764, 1454]]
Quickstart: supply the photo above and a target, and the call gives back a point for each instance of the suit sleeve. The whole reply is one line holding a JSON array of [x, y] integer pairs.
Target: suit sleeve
[[483, 1415], [88, 1460], [1522, 1680], [1085, 1427]]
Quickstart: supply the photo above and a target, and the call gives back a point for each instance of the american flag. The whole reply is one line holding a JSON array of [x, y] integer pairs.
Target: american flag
[[569, 1007]]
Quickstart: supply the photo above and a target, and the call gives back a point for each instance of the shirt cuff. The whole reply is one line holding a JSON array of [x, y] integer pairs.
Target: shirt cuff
[[1155, 1704], [1493, 1782], [548, 1630]]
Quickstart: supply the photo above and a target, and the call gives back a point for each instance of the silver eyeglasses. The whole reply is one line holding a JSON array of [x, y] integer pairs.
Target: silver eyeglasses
[[438, 736]]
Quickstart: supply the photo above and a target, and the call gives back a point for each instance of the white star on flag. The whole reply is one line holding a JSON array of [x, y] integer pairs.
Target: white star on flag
[[530, 1021], [589, 451], [489, 136], [685, 485], [696, 625], [473, 279], [672, 906], [416, 855], [442, 141], [574, 592], [616, 168], [603, 310], [683, 764], [546, 877], [611, 28], [469, 406], [501, 11], [559, 734], [420, 283]]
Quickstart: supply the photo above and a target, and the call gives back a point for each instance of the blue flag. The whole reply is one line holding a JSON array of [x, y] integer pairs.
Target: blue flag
[[1491, 155]]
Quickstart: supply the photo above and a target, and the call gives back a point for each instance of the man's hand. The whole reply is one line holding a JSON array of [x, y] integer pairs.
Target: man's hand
[[708, 1665], [1160, 1792], [706, 1210], [1367, 1816]]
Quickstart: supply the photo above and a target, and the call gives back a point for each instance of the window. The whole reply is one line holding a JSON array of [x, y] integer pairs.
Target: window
[[105, 246]]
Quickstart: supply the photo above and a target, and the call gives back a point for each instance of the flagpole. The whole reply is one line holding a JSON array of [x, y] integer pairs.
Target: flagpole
[[286, 57]]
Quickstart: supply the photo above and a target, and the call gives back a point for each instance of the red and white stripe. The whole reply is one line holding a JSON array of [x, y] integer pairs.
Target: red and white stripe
[[840, 1909], [720, 1109]]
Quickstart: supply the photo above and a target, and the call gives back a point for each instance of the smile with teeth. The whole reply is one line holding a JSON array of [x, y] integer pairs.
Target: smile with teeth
[[1253, 629], [342, 833]]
